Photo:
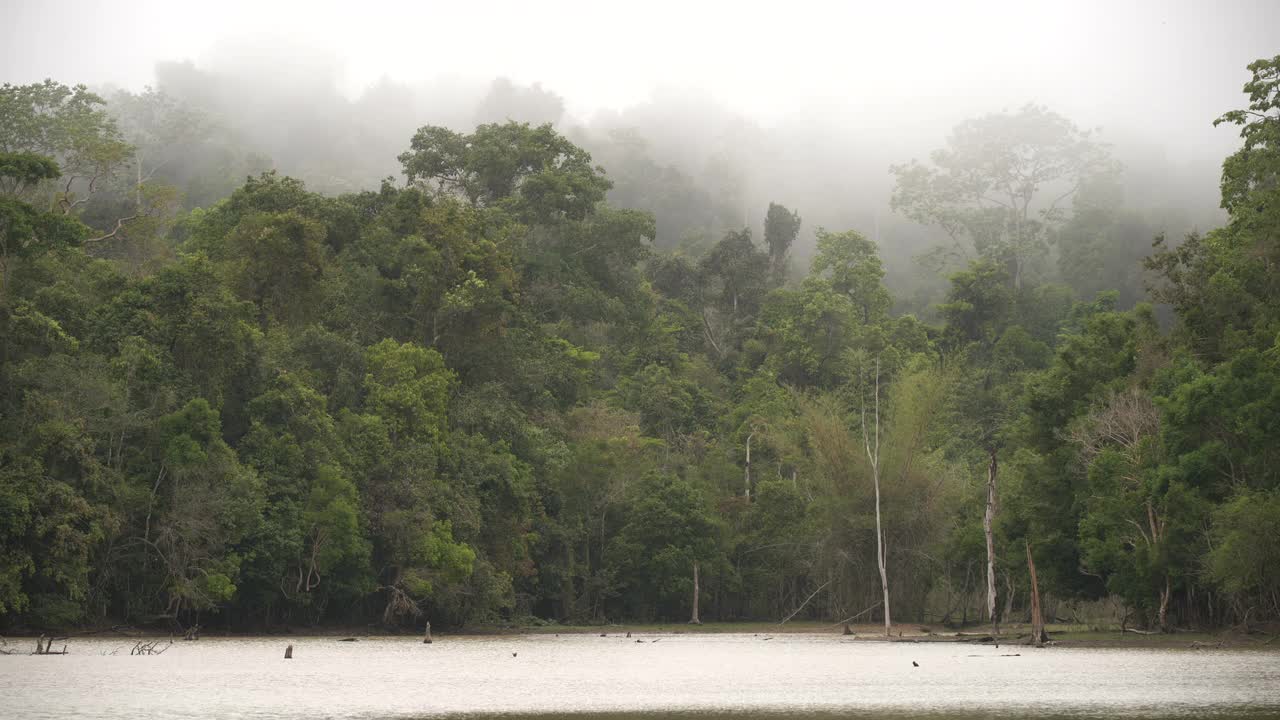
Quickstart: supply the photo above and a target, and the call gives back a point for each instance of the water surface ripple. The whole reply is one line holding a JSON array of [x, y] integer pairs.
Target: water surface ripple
[[586, 674]]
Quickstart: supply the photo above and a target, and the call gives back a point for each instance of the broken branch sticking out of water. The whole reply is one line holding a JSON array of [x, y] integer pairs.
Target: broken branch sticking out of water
[[150, 648]]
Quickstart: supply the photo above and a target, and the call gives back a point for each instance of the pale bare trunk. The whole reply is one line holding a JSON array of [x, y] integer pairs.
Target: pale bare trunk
[[873, 456], [746, 491], [988, 521], [694, 619], [880, 553]]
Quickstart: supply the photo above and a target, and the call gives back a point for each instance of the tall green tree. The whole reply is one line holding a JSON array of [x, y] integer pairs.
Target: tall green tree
[[532, 171], [781, 226], [1001, 185]]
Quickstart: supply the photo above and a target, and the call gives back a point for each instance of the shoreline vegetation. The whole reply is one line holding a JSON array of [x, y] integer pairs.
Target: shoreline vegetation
[[1069, 635]]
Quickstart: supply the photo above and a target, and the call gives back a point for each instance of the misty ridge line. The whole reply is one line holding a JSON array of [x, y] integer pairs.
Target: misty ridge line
[[699, 168]]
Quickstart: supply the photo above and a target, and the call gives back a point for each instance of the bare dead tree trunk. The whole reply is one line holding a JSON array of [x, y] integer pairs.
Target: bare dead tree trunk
[[1037, 616], [1008, 595], [873, 456], [802, 605], [693, 619], [988, 520], [746, 491], [1164, 605]]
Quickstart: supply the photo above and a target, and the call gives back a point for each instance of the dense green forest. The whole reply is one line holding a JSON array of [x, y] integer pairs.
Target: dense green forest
[[509, 386]]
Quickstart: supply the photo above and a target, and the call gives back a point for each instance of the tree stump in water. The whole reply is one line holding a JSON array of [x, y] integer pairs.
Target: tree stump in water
[[426, 636], [288, 653], [847, 630]]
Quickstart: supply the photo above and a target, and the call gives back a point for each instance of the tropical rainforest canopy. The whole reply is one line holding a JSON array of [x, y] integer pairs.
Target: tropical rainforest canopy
[[509, 385]]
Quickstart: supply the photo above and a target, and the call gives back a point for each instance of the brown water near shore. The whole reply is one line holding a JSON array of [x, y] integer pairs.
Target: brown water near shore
[[788, 675]]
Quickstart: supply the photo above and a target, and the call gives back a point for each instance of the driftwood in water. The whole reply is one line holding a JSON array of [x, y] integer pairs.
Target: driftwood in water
[[1142, 632], [43, 648], [426, 636], [288, 653], [150, 648]]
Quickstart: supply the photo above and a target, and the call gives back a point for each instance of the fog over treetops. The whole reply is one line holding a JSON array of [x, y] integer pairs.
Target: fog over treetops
[[805, 104]]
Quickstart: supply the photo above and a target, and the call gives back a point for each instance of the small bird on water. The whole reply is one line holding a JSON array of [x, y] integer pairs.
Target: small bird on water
[[513, 654], [915, 664]]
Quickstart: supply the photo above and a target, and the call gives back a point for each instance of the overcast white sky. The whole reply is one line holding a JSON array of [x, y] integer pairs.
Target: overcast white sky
[[1178, 62]]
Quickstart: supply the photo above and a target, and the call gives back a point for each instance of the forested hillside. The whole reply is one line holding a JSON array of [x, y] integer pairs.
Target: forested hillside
[[482, 393]]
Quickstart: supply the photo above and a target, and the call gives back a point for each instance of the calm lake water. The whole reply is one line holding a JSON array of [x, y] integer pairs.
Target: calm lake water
[[788, 675]]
